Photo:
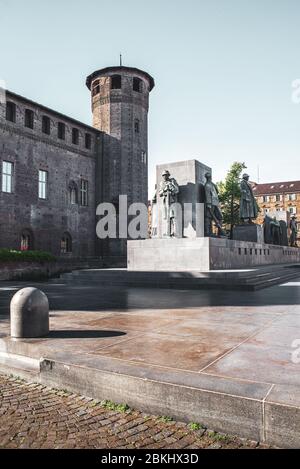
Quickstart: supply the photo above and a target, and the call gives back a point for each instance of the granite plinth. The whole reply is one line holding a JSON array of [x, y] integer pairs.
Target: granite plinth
[[204, 254]]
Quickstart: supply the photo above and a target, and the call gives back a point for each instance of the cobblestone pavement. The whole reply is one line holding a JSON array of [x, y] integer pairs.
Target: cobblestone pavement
[[36, 416]]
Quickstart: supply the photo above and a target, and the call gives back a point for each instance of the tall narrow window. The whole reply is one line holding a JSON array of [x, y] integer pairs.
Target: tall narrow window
[[96, 88], [29, 118], [43, 184], [88, 141], [137, 85], [75, 136], [26, 240], [84, 192], [66, 243], [46, 125], [73, 193], [116, 82], [7, 176], [144, 157], [61, 131], [137, 126], [10, 111]]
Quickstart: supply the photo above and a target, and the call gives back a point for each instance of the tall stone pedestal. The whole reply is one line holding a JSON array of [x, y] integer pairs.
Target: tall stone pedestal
[[190, 176], [249, 232]]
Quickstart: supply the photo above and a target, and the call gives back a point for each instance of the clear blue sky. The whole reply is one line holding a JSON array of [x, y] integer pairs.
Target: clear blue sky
[[223, 72]]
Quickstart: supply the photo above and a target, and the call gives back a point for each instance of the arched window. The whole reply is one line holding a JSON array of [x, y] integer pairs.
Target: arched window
[[26, 240], [66, 243], [116, 82], [73, 193]]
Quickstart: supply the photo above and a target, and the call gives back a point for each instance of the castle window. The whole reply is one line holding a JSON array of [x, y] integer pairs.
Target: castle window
[[7, 176], [73, 196], [75, 136], [96, 88], [266, 198], [43, 184], [137, 85], [10, 111], [144, 157], [116, 82], [26, 240], [88, 141], [278, 197], [61, 130], [137, 126], [73, 193], [29, 118], [84, 192], [291, 196], [46, 125], [66, 243]]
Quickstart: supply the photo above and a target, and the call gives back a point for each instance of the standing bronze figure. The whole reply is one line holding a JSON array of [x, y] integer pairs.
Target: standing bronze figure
[[169, 190], [212, 208], [248, 205], [294, 231]]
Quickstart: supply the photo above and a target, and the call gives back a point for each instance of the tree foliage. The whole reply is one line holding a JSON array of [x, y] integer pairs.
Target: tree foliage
[[230, 193]]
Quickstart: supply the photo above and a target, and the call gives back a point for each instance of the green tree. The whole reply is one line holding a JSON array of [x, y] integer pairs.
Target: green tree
[[229, 195]]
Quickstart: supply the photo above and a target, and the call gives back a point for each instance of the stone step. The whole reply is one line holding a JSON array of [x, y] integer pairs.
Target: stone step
[[253, 281], [19, 365]]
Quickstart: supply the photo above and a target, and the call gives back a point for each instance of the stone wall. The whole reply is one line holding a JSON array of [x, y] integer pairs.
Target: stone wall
[[31, 150], [41, 270]]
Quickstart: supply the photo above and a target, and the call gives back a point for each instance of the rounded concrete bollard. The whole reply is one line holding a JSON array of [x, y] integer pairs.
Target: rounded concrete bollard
[[29, 313]]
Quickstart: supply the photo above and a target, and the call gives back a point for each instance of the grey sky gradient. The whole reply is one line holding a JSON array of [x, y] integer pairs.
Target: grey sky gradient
[[223, 72]]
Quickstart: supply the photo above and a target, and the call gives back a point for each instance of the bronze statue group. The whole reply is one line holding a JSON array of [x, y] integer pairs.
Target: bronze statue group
[[275, 231]]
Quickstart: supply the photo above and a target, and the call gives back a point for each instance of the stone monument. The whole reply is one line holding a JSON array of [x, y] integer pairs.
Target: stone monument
[[187, 243], [213, 212], [168, 191], [294, 231], [248, 205], [248, 230], [188, 212], [276, 228]]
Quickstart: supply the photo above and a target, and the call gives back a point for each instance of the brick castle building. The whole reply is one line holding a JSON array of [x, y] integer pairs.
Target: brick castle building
[[56, 170]]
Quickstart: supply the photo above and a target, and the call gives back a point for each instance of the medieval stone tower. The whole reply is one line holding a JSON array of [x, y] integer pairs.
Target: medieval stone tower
[[120, 103]]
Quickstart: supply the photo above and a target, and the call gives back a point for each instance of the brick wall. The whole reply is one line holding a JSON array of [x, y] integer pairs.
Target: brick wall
[[32, 150]]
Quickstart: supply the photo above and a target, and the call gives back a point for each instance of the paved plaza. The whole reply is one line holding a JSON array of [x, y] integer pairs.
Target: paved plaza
[[225, 359]]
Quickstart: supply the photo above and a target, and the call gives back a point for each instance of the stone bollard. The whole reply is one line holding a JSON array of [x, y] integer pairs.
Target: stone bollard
[[29, 313]]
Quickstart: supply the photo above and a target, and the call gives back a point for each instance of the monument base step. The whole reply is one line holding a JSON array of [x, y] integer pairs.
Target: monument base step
[[247, 279]]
